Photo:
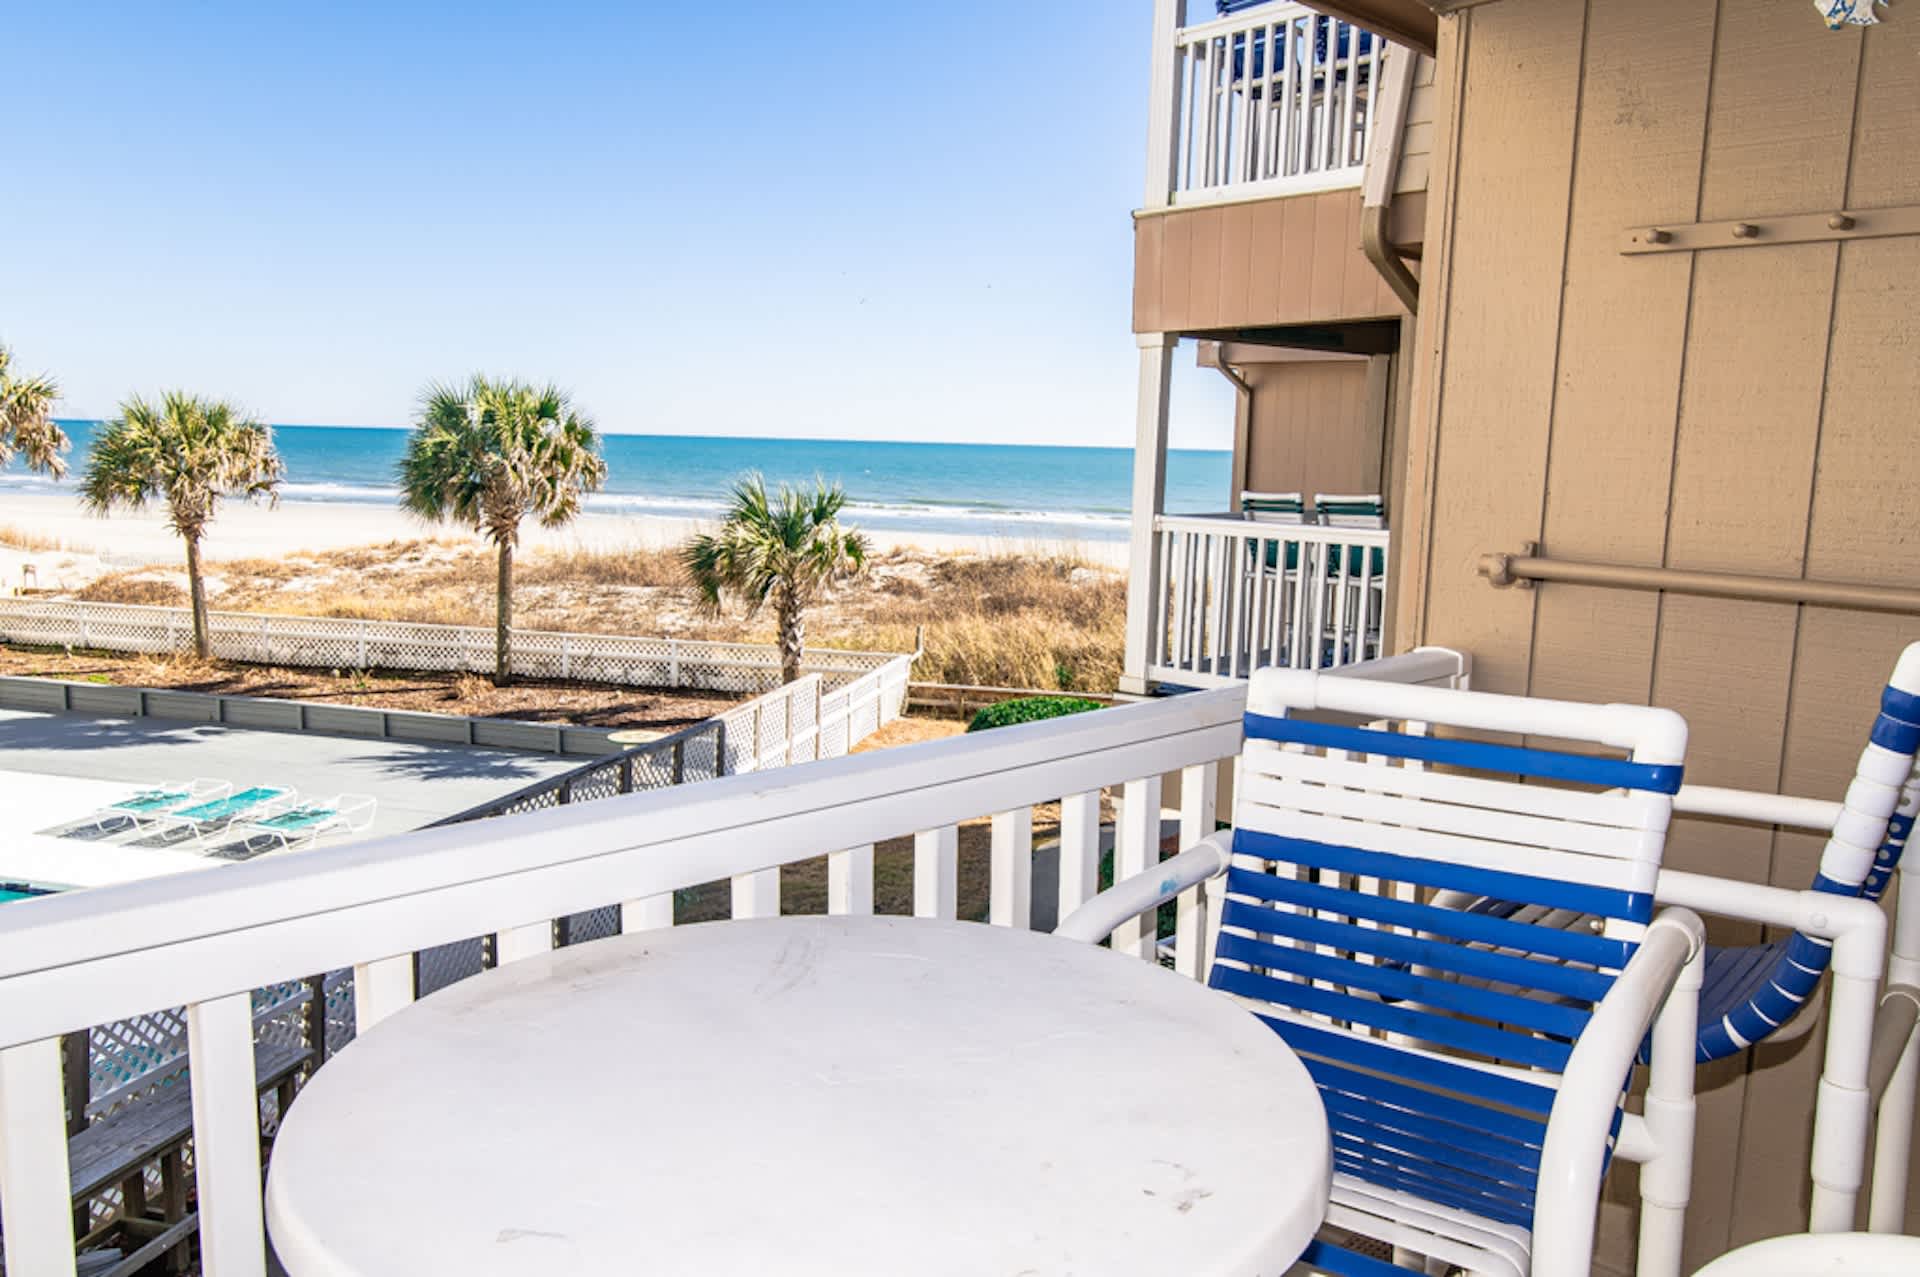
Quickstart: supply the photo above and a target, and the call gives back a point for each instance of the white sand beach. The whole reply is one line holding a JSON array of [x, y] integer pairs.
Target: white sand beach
[[90, 545]]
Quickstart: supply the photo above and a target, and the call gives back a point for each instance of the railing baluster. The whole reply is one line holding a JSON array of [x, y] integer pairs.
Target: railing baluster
[[850, 880], [936, 872], [380, 988], [1199, 796], [757, 895], [1011, 887], [648, 914], [33, 1162], [226, 1137], [1290, 104], [1079, 850], [1344, 156], [1139, 850]]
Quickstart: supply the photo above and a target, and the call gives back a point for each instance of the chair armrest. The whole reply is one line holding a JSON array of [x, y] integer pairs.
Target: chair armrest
[[1761, 809], [1095, 920], [1573, 1154]]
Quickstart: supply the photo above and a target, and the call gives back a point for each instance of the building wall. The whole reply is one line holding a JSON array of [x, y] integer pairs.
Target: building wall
[[1314, 427], [1751, 409]]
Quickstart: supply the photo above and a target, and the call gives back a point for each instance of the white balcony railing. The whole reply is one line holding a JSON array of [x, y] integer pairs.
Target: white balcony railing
[[206, 941], [1237, 594], [1275, 100]]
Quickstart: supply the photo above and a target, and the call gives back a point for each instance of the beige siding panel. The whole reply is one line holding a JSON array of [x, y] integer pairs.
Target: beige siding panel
[[1509, 237], [1743, 470], [1297, 220], [1782, 111], [1869, 467], [1236, 260], [1176, 265], [1203, 268], [1266, 256], [1417, 139], [1258, 264], [1885, 170], [1309, 429], [1148, 234]]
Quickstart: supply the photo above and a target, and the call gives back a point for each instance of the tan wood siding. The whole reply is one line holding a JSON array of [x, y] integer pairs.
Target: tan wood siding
[[1416, 141], [1258, 264], [1749, 409], [1311, 429]]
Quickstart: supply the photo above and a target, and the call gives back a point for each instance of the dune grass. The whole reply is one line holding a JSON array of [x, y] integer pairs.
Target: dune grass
[[1048, 621]]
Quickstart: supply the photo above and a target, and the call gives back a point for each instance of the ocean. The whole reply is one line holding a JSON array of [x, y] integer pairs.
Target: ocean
[[1006, 491]]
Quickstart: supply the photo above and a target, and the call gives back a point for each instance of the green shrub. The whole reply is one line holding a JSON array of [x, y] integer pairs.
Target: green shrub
[[1029, 710]]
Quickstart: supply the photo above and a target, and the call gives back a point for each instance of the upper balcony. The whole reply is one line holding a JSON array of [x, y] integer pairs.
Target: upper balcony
[[1262, 130]]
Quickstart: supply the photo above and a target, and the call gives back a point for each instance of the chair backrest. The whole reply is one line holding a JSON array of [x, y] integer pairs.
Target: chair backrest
[[1770, 986], [1437, 1035], [1357, 510], [1274, 507]]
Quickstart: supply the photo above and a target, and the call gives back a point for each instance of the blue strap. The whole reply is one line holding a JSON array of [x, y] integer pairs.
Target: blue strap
[[1660, 778], [1414, 1067], [1611, 902], [1569, 946], [1493, 1131], [1404, 951], [1341, 1262], [1556, 1019]]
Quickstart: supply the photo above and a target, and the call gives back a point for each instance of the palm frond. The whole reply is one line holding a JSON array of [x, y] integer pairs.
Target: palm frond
[[489, 454], [185, 450], [26, 420]]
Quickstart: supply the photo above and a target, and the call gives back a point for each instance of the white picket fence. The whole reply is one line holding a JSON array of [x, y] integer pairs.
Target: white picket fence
[[323, 642]]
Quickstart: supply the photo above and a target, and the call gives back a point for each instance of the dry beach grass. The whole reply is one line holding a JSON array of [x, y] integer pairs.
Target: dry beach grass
[[1045, 620]]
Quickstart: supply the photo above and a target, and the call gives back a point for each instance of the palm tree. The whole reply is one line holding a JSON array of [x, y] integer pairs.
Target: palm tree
[[787, 548], [490, 453], [26, 420], [189, 452]]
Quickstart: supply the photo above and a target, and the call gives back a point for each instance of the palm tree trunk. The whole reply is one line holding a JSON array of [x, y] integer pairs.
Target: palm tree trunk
[[503, 616], [197, 589], [792, 635]]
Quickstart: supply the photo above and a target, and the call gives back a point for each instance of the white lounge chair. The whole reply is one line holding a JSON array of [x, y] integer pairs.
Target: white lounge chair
[[148, 805], [305, 824], [205, 821]]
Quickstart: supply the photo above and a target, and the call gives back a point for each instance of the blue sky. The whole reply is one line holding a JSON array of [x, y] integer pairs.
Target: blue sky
[[856, 220]]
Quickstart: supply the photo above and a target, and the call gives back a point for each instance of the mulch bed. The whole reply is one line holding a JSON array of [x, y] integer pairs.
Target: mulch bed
[[590, 705]]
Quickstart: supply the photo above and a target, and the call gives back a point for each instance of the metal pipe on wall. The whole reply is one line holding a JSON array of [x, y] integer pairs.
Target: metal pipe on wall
[[1523, 569]]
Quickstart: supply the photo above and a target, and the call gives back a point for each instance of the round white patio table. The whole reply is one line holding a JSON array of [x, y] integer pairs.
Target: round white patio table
[[807, 1095]]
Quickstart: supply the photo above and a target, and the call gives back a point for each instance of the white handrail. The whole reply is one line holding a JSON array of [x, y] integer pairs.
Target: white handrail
[[1273, 100]]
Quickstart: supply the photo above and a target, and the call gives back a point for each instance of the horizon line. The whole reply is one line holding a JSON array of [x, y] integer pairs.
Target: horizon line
[[655, 434]]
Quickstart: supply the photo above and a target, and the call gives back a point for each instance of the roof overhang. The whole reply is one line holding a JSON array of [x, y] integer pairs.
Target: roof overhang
[[1408, 22]]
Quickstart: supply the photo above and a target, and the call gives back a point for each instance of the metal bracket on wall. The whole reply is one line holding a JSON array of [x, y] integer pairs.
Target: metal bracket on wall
[[1796, 228]]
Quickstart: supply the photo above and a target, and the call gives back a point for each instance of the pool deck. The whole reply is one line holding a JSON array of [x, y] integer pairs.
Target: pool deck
[[56, 769]]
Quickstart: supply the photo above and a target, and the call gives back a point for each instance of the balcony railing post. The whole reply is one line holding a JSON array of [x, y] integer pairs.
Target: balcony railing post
[[1163, 102], [1149, 498]]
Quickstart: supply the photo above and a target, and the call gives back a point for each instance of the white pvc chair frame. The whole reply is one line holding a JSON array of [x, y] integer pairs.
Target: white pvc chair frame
[[1871, 1052], [1659, 988]]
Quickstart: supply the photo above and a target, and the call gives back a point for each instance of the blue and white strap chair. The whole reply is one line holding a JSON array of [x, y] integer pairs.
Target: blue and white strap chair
[[1753, 991], [1472, 1123]]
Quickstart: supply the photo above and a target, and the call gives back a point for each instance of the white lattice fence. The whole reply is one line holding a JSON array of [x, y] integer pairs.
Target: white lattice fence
[[340, 643]]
